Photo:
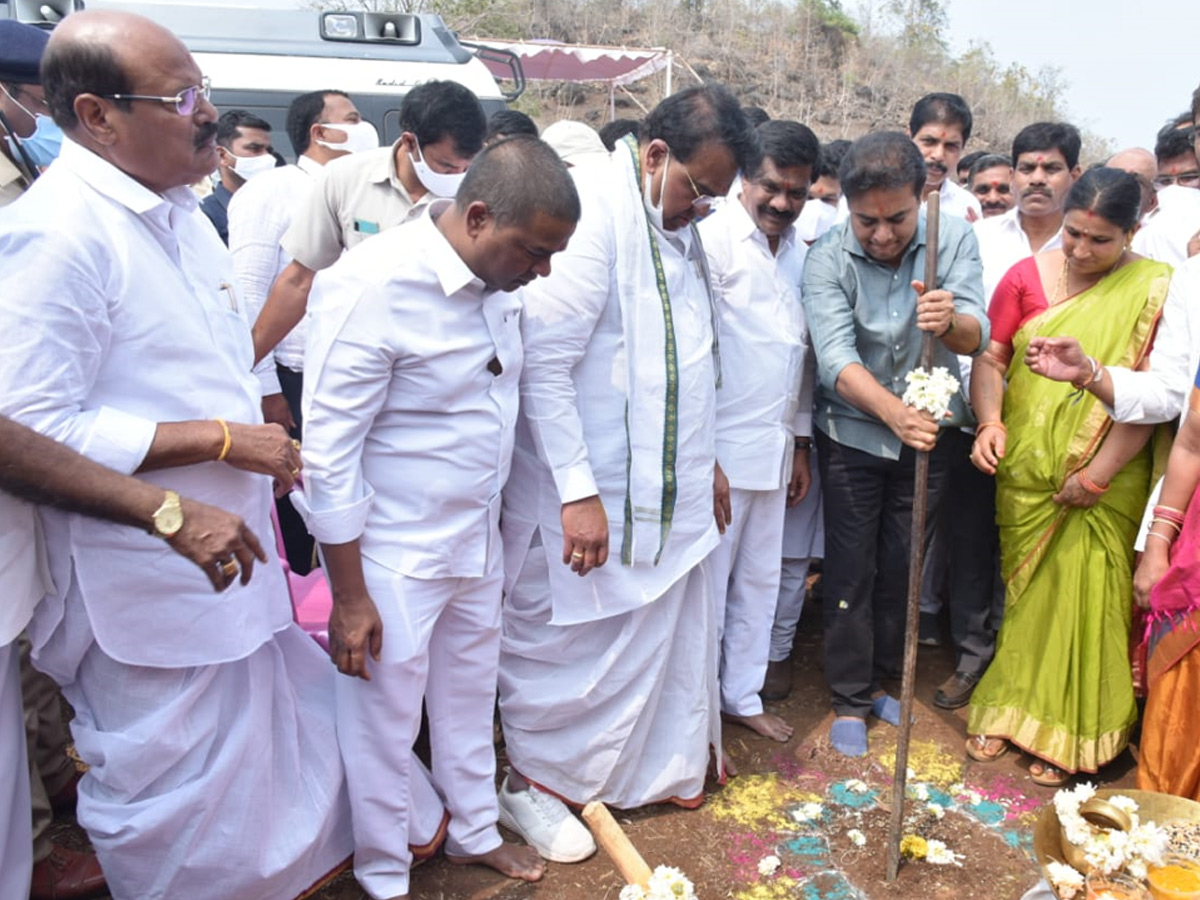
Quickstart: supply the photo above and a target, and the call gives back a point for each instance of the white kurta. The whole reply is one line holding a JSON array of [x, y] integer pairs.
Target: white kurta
[[410, 407], [119, 313], [1165, 234], [608, 682], [764, 402], [259, 215]]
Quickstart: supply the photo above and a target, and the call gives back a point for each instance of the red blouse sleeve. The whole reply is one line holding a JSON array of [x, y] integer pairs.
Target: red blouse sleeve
[[1017, 297]]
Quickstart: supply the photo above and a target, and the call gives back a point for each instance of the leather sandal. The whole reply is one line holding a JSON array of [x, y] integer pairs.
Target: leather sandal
[[1048, 775], [978, 746]]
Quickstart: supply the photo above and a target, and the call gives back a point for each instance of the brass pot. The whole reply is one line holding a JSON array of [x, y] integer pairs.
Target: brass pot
[[1051, 845]]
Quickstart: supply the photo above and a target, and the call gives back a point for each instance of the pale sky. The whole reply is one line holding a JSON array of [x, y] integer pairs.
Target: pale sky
[[1130, 65]]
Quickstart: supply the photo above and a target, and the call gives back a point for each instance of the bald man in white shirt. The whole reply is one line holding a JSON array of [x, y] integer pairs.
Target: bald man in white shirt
[[411, 404], [126, 341]]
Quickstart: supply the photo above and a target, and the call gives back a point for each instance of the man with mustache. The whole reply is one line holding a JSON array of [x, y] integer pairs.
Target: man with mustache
[[867, 310], [990, 180], [764, 405], [940, 126], [1045, 159], [206, 723]]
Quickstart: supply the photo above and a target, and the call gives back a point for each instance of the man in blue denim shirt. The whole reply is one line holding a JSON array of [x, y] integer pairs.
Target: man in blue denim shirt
[[867, 309]]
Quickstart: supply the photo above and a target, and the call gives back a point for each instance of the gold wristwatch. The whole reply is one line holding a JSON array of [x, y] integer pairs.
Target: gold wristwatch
[[168, 518]]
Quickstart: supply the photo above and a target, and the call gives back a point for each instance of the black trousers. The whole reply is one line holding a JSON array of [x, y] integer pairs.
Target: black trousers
[[296, 540], [968, 523], [868, 519]]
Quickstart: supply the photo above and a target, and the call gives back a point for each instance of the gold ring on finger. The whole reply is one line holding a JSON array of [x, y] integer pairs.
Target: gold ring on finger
[[576, 555], [229, 568], [295, 443], [295, 472]]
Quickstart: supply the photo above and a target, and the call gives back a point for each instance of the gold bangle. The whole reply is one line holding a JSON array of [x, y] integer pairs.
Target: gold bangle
[[228, 441], [995, 423]]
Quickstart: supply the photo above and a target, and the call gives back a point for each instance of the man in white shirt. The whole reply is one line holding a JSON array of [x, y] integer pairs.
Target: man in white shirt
[[244, 151], [940, 126], [259, 216], [990, 180], [442, 128], [764, 405], [1170, 234], [1045, 161], [1160, 393], [608, 683], [412, 407], [126, 341], [35, 469]]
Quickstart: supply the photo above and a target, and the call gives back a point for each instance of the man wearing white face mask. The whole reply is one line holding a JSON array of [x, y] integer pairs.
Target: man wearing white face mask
[[443, 127], [608, 666], [29, 139], [243, 151]]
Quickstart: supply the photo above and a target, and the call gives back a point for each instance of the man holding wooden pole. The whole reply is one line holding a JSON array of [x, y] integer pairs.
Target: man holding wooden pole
[[867, 308]]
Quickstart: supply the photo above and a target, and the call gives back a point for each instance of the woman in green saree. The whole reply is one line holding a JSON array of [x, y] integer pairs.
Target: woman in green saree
[[1070, 489]]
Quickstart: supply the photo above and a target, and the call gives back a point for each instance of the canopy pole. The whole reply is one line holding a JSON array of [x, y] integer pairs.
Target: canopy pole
[[612, 101], [670, 73]]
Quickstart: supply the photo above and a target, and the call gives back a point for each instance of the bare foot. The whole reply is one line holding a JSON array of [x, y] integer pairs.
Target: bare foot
[[766, 724], [727, 769], [513, 860]]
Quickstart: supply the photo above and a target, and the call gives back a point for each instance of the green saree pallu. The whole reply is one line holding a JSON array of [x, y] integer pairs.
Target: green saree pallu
[[1060, 685]]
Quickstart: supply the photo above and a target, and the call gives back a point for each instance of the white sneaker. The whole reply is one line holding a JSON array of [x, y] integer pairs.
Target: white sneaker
[[546, 824]]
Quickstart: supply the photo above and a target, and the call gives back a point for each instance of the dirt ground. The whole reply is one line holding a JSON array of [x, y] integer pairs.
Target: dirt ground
[[984, 812]]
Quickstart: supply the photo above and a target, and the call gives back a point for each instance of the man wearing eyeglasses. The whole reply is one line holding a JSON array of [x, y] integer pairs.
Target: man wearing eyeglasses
[[764, 411], [206, 722], [1165, 236], [608, 687]]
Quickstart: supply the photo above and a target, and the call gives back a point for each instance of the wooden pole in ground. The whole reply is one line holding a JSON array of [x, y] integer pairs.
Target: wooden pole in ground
[[613, 841], [916, 560]]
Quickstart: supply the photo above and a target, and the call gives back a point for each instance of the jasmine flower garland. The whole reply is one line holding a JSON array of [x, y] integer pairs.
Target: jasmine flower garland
[[930, 392]]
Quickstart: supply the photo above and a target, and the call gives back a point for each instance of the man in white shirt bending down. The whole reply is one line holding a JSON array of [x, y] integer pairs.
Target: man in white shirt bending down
[[411, 407], [764, 404], [608, 687]]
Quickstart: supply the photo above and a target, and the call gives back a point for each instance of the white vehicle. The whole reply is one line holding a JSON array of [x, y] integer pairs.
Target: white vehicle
[[259, 58]]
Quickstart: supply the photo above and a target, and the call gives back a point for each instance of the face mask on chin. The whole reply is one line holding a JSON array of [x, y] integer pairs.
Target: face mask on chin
[[653, 210], [44, 145], [246, 167], [360, 136], [439, 184]]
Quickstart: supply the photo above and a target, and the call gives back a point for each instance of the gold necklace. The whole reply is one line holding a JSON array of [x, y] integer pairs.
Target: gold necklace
[[1061, 287]]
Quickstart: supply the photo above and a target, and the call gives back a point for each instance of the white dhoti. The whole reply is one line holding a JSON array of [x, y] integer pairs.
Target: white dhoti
[[16, 832], [623, 710], [803, 541], [217, 782], [745, 577], [451, 625]]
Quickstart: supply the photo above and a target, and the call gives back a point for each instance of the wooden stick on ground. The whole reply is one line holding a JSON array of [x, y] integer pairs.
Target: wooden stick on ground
[[613, 841], [916, 560]]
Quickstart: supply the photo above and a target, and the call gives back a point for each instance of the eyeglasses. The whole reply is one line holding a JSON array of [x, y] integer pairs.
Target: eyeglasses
[[702, 201], [185, 102], [1184, 179]]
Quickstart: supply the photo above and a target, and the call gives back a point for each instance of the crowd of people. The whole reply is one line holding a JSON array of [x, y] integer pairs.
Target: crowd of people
[[565, 419]]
